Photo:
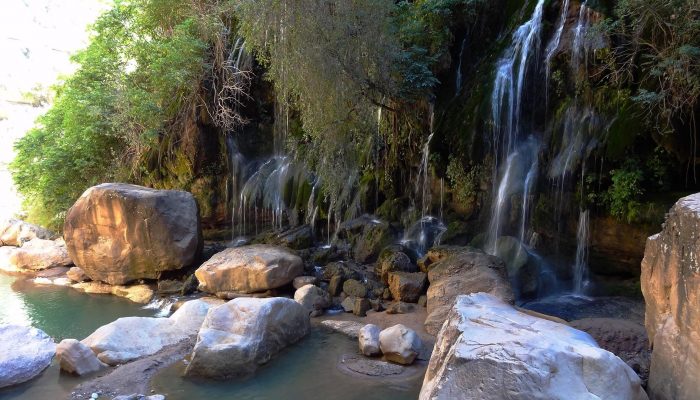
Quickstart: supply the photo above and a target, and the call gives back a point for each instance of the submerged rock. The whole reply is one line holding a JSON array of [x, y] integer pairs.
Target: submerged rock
[[131, 338], [313, 298], [460, 272], [77, 358], [38, 254], [671, 287], [400, 344], [15, 232], [238, 336], [137, 293], [370, 367], [249, 269], [118, 233], [489, 350], [369, 340], [24, 353], [349, 328]]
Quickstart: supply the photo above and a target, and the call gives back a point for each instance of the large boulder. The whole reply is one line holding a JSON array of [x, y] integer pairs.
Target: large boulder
[[394, 262], [130, 338], [249, 269], [489, 350], [407, 286], [24, 353], [238, 336], [463, 272], [38, 254], [369, 340], [313, 298], [671, 287], [118, 233], [400, 344], [14, 232], [76, 358]]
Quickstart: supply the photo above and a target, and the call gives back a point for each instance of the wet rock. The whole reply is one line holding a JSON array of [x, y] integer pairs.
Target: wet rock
[[131, 338], [377, 305], [485, 338], [249, 269], [140, 397], [346, 270], [671, 290], [348, 304], [118, 233], [240, 335], [407, 286], [313, 298], [522, 275], [77, 358], [24, 353], [462, 271], [137, 293], [438, 253], [38, 254], [190, 285], [370, 367], [400, 344], [361, 306], [353, 287], [395, 262], [169, 286], [400, 308], [369, 340], [301, 281], [386, 294], [349, 328], [15, 232], [297, 238], [423, 300], [335, 286], [76, 274], [374, 237]]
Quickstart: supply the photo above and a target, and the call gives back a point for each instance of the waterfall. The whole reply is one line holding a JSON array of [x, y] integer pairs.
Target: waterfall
[[506, 109], [422, 188], [579, 47], [553, 45], [581, 263], [458, 80]]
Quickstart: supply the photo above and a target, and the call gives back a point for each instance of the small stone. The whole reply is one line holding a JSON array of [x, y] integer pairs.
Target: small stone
[[94, 396], [362, 305], [369, 340], [400, 344], [400, 308], [77, 358], [76, 274], [355, 288], [190, 285], [301, 281], [348, 304], [169, 286], [377, 305]]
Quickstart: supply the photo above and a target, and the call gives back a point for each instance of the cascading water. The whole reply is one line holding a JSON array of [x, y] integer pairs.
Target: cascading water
[[553, 45], [458, 79], [580, 45], [580, 266], [520, 170]]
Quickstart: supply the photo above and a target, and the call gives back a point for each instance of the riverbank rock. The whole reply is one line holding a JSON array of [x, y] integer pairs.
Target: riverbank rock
[[348, 328], [15, 232], [489, 350], [407, 286], [130, 338], [393, 261], [369, 340], [38, 254], [301, 281], [313, 298], [77, 358], [118, 233], [671, 287], [238, 336], [458, 272], [400, 344], [249, 269], [141, 294], [24, 353], [76, 274]]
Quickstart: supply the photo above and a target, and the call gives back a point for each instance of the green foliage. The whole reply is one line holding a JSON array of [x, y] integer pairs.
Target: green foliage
[[623, 195], [465, 184]]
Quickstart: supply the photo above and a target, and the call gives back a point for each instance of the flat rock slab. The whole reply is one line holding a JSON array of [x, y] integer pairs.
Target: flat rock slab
[[369, 366], [349, 328]]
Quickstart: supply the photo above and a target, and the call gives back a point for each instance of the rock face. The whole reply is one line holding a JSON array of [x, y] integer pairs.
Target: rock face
[[38, 254], [238, 336], [249, 269], [77, 358], [369, 340], [24, 353], [131, 338], [400, 344], [394, 261], [489, 350], [407, 286], [671, 288], [76, 274], [460, 272], [14, 232], [313, 298], [118, 233]]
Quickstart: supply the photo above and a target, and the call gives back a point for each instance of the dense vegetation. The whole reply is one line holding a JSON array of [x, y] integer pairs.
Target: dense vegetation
[[356, 83]]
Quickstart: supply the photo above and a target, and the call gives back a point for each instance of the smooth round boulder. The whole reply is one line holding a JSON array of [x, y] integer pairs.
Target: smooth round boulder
[[24, 353], [313, 298], [369, 340], [249, 269], [76, 274], [15, 232], [400, 344], [38, 254], [118, 233], [77, 358], [301, 281]]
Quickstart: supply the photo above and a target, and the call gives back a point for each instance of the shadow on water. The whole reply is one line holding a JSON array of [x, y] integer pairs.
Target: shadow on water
[[306, 370]]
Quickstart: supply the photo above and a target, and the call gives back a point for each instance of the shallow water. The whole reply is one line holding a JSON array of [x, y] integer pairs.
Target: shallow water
[[307, 370], [62, 313]]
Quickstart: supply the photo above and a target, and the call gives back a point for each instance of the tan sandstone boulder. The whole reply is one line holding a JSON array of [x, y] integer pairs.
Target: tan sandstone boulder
[[463, 271], [249, 269], [671, 287], [118, 233], [15, 232], [38, 254], [76, 358]]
